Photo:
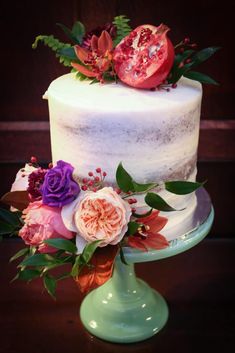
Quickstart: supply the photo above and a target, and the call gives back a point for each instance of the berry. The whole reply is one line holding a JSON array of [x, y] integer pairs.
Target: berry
[[85, 180], [84, 187], [98, 170], [174, 85], [50, 165], [118, 191], [186, 40], [133, 210], [97, 179], [90, 183], [90, 174], [33, 159], [104, 174], [94, 189]]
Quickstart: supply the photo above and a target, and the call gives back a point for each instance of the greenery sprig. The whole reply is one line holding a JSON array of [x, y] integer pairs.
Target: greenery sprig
[[123, 28]]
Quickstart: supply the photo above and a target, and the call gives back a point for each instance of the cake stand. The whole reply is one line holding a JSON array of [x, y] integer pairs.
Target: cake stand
[[125, 309]]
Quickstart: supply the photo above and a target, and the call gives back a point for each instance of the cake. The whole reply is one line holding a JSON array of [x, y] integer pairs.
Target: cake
[[153, 133]]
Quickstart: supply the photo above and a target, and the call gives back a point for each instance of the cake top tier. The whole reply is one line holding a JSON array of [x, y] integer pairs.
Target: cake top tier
[[117, 96]]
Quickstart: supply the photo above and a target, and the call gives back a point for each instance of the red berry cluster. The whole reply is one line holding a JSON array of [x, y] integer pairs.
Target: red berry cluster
[[94, 180]]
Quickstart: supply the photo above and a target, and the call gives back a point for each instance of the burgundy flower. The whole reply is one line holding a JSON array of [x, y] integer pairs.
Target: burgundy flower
[[36, 180], [108, 27]]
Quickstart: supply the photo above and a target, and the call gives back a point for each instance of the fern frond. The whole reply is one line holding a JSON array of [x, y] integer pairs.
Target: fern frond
[[55, 45], [122, 26]]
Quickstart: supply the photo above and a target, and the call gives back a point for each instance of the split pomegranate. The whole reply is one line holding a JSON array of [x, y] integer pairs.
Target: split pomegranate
[[144, 58]]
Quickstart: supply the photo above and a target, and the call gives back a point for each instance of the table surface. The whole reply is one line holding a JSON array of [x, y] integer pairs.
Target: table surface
[[198, 286]]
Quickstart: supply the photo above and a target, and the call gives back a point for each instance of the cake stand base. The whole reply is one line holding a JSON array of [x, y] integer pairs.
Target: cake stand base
[[125, 309]]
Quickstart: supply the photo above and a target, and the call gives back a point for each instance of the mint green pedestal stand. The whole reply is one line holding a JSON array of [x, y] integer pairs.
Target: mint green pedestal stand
[[125, 309]]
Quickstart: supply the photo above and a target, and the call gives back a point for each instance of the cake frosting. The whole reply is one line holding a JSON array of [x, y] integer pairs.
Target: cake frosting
[[153, 133]]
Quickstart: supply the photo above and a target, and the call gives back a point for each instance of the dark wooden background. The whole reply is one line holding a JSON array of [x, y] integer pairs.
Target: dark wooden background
[[26, 74]]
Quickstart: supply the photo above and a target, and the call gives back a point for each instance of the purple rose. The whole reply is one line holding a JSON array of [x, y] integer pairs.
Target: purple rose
[[59, 188]]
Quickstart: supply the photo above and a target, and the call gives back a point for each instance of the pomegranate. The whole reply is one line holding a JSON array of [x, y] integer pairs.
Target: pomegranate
[[144, 58]]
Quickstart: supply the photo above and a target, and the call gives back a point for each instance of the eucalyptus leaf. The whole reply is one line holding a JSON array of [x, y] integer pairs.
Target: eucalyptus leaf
[[20, 253], [124, 180], [62, 244], [155, 201], [77, 264], [198, 76], [182, 187], [203, 55], [50, 285]]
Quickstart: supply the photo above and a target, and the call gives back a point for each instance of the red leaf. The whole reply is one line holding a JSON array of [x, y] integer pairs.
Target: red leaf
[[17, 199], [102, 267], [83, 70]]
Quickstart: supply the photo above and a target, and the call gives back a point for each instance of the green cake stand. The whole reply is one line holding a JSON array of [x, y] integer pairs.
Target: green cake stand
[[125, 309]]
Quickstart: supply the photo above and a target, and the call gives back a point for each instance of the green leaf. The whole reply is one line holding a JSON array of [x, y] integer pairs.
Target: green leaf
[[182, 187], [143, 187], [78, 31], [6, 228], [78, 263], [133, 227], [198, 76], [68, 53], [155, 201], [20, 253], [122, 27], [122, 257], [28, 274], [124, 180], [50, 285], [10, 217], [89, 250], [39, 260], [136, 215], [62, 244], [203, 55]]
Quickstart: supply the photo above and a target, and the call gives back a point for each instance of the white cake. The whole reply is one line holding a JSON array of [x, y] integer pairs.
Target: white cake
[[153, 133]]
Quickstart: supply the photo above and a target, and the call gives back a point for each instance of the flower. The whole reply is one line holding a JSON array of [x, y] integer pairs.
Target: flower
[[36, 179], [42, 223], [108, 27], [22, 178], [59, 188], [98, 59], [148, 236], [101, 215]]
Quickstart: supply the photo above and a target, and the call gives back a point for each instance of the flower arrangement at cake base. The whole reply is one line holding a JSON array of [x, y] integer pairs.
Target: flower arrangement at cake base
[[82, 223]]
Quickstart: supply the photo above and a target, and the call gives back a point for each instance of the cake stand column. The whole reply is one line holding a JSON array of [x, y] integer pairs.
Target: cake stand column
[[125, 309]]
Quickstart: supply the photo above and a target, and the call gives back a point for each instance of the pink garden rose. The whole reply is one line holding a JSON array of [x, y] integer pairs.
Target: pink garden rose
[[98, 215], [42, 223]]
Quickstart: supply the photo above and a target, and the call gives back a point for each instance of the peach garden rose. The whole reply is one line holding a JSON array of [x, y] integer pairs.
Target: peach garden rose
[[101, 215]]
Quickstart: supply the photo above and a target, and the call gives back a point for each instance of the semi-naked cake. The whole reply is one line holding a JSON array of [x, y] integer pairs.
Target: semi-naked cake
[[153, 133]]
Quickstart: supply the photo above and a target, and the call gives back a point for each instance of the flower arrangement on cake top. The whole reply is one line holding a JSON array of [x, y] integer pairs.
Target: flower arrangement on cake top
[[79, 226], [142, 58]]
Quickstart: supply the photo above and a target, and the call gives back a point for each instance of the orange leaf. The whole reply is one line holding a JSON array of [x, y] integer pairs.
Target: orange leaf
[[81, 53], [18, 199], [84, 70], [105, 42], [100, 270]]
